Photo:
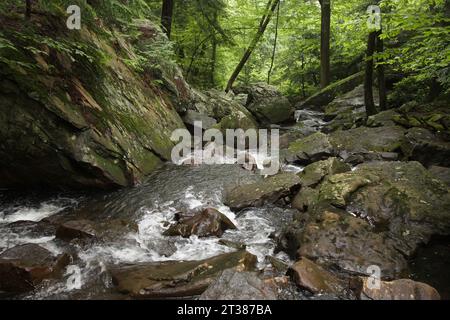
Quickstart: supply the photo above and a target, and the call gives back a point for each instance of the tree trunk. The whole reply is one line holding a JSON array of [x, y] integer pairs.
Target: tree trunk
[[166, 16], [272, 4], [325, 77], [381, 75], [213, 60], [368, 80], [28, 9], [274, 45]]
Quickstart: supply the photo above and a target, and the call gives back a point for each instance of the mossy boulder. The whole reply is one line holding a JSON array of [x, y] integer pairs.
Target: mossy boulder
[[266, 103], [377, 214], [268, 190], [315, 172], [310, 149]]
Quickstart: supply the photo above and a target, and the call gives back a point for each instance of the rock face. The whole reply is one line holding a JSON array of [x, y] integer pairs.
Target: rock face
[[73, 118], [377, 214], [268, 190], [266, 103], [177, 279], [403, 289], [308, 275], [233, 285], [24, 267], [328, 94], [209, 222]]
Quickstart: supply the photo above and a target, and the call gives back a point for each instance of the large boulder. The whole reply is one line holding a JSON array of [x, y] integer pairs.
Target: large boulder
[[442, 173], [228, 113], [266, 103], [208, 222], [177, 279], [77, 115], [24, 267], [426, 147], [377, 214], [310, 149], [268, 190], [233, 285], [328, 94]]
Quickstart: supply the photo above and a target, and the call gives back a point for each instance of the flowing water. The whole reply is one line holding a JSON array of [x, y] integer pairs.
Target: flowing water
[[151, 206]]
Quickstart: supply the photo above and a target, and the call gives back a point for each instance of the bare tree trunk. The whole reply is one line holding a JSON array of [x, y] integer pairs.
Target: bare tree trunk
[[28, 9], [368, 80], [167, 16], [380, 74], [274, 45], [272, 4], [325, 77], [213, 60]]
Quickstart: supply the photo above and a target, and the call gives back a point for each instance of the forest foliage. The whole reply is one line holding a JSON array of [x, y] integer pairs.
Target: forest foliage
[[208, 39]]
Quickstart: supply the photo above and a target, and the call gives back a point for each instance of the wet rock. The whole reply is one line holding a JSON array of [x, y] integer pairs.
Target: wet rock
[[77, 229], [86, 230], [268, 190], [426, 147], [177, 279], [23, 267], [441, 173], [233, 285], [315, 172], [328, 94], [192, 116], [403, 289], [310, 149], [312, 277], [209, 222], [277, 264], [377, 214], [305, 198]]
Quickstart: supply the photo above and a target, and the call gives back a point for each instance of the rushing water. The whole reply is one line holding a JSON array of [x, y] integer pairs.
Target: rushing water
[[151, 206]]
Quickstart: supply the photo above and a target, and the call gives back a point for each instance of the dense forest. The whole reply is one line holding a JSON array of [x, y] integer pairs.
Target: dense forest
[[97, 202]]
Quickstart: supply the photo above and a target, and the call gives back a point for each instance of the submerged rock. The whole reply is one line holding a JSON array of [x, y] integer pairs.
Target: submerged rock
[[268, 190], [23, 267], [209, 222], [233, 285], [177, 279], [403, 289]]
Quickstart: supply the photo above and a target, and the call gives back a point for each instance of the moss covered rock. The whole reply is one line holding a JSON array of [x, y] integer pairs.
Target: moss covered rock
[[74, 114]]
